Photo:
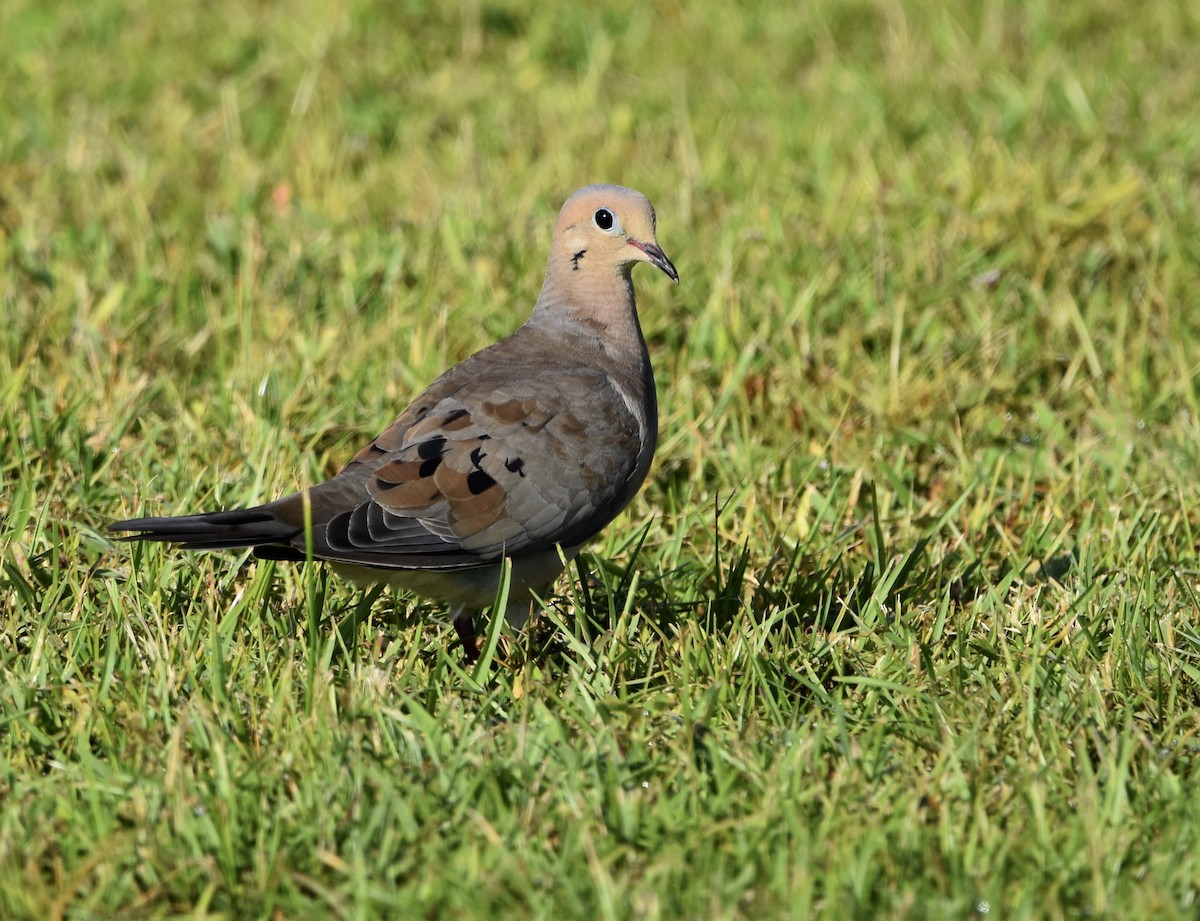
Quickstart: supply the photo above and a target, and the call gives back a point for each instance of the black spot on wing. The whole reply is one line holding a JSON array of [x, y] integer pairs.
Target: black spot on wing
[[479, 481], [429, 467], [516, 465], [429, 452], [432, 449]]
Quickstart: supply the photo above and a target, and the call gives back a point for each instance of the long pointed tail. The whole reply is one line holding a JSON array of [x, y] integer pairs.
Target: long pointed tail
[[247, 527]]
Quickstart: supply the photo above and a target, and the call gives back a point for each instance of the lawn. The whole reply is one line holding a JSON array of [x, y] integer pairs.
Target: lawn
[[904, 624]]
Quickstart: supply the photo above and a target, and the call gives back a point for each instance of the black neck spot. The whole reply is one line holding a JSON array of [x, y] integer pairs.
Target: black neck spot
[[575, 259]]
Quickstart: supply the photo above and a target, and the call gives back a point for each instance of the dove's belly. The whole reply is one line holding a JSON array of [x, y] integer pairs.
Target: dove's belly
[[477, 587]]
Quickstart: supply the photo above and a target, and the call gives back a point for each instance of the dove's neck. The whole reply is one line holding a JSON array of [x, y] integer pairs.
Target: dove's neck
[[591, 319], [593, 311]]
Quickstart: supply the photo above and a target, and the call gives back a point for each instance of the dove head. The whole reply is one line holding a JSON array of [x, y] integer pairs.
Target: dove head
[[603, 231]]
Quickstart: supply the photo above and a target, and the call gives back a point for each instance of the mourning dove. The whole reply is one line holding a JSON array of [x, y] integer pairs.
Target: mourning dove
[[524, 451]]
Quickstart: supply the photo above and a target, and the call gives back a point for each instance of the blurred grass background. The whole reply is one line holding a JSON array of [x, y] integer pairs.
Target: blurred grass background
[[902, 626]]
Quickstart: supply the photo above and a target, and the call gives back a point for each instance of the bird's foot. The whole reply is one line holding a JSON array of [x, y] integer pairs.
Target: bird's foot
[[472, 643]]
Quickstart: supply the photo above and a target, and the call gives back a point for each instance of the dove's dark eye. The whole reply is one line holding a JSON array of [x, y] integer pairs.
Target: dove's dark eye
[[604, 219]]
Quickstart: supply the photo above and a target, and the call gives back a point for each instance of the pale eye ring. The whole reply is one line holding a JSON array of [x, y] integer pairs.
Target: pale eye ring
[[606, 221]]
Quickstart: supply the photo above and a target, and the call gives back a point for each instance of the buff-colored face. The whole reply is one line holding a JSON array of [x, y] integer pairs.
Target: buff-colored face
[[605, 226]]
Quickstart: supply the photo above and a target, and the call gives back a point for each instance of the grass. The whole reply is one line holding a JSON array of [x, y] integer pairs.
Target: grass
[[904, 624]]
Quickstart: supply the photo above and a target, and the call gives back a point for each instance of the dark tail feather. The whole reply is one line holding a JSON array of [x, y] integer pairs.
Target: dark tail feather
[[246, 527]]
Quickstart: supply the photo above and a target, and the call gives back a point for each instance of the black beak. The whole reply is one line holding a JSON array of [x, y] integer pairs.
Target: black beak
[[658, 259]]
